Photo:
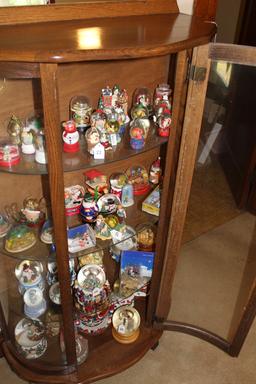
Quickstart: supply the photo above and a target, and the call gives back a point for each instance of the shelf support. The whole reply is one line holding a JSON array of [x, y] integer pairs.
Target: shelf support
[[55, 170]]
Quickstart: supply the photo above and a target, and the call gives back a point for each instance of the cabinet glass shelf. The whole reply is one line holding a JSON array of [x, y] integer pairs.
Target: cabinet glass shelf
[[41, 251], [83, 159]]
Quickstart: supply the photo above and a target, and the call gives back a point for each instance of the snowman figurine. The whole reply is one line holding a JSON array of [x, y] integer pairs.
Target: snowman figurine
[[70, 137]]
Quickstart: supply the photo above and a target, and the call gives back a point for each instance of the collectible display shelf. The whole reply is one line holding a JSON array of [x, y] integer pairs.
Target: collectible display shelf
[[83, 160], [45, 51]]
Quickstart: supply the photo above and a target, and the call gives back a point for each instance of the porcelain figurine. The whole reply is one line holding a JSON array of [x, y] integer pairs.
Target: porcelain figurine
[[70, 137], [155, 171], [89, 209], [101, 228]]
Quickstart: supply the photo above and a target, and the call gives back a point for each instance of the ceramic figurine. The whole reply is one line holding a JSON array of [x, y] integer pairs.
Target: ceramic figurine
[[117, 181], [164, 124], [123, 101], [92, 137], [121, 213], [89, 209], [32, 211], [96, 183], [14, 129], [70, 137], [155, 171], [101, 228], [9, 154], [127, 198], [80, 112]]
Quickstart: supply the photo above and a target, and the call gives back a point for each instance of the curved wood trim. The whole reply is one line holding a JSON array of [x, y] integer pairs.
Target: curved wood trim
[[146, 36], [34, 365], [194, 331], [92, 369], [33, 376], [97, 9]]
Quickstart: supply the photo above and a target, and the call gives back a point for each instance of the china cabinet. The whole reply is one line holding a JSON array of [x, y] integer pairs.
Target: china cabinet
[[81, 49]]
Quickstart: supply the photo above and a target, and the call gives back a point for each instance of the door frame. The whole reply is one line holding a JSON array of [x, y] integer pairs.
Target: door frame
[[202, 57]]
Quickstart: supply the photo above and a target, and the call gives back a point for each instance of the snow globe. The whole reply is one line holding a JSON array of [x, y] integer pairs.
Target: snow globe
[[138, 178], [80, 111], [19, 238]]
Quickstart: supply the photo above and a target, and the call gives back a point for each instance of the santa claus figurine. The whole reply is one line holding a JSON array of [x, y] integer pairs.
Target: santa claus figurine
[[70, 137]]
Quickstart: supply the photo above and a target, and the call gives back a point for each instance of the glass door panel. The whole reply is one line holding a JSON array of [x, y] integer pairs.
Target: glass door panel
[[217, 264]]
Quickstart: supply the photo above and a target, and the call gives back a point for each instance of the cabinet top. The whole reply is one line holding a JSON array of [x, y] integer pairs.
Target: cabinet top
[[103, 39]]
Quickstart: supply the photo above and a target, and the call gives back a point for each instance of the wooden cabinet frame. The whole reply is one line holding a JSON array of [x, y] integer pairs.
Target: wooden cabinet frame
[[202, 57]]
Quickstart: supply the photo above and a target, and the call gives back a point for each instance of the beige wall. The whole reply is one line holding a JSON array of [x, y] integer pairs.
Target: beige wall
[[226, 18], [186, 6]]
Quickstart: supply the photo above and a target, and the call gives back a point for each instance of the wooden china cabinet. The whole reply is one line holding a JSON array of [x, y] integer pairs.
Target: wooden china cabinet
[[79, 50]]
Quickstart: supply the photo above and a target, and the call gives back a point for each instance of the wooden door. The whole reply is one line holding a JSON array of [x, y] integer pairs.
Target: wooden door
[[209, 265]]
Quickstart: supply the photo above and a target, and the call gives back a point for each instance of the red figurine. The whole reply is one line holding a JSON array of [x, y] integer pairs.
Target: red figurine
[[70, 137]]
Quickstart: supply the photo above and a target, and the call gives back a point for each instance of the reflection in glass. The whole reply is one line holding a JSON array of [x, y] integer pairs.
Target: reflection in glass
[[89, 38], [217, 263]]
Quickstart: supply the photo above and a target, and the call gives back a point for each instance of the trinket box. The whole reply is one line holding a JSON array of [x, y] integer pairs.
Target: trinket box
[[19, 238], [126, 323], [9, 154], [80, 238]]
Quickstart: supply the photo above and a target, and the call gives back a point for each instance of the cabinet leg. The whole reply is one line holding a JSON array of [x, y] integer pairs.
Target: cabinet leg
[[155, 346]]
